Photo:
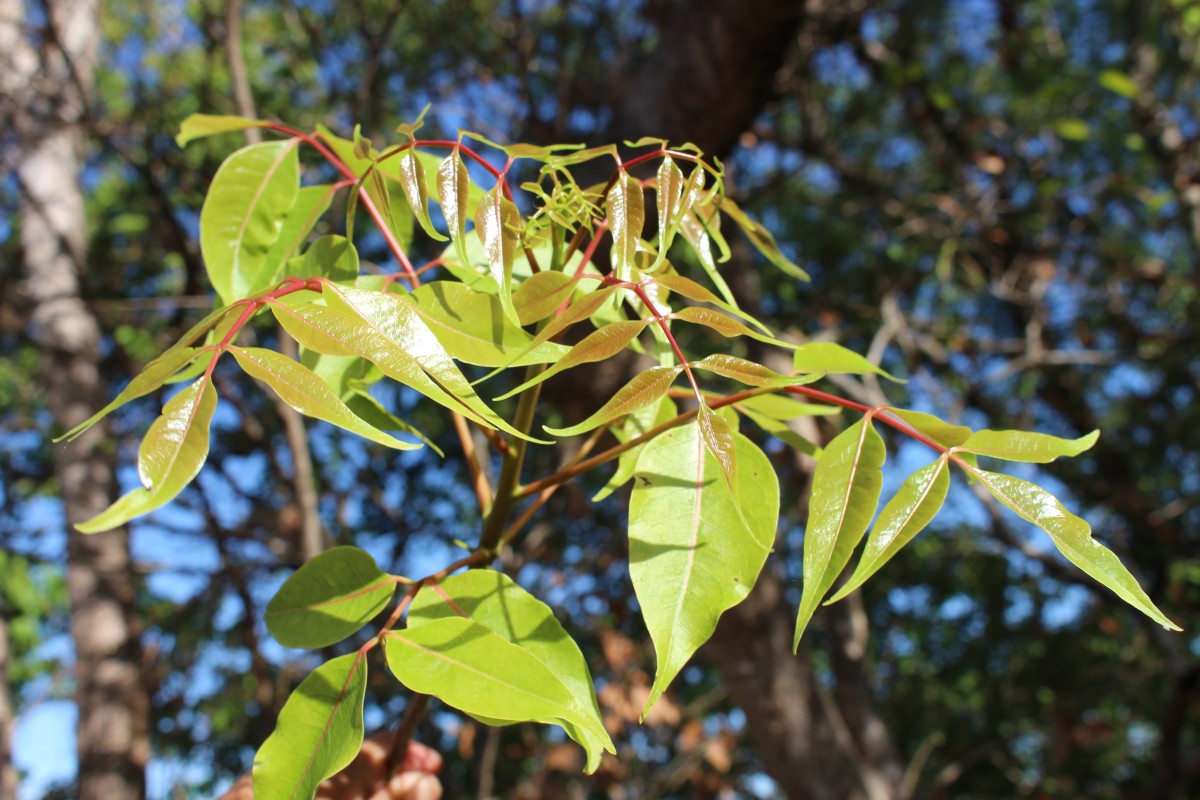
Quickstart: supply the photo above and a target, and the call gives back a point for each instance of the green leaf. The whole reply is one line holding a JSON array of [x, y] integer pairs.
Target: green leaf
[[541, 294], [319, 732], [598, 345], [780, 407], [691, 554], [244, 212], [635, 425], [413, 181], [750, 373], [725, 325], [931, 427], [493, 600], [700, 233], [626, 210], [303, 390], [845, 491], [328, 599], [197, 126], [311, 203], [1036, 448], [152, 376], [453, 188], [904, 516], [762, 239], [476, 670], [642, 390], [1072, 536], [330, 257], [695, 291], [472, 327], [1073, 129], [387, 331], [170, 455], [834, 359], [496, 223], [668, 191], [1118, 83]]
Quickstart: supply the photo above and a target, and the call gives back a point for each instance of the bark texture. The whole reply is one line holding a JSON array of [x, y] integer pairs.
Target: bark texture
[[48, 85]]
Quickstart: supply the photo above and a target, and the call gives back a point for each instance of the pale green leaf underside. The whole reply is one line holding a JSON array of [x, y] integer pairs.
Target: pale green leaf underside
[[197, 126], [834, 359], [328, 599], [691, 555], [1037, 448], [845, 491], [319, 732]]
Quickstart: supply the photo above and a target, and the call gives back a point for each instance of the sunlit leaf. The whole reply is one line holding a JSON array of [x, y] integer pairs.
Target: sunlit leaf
[[304, 391], [642, 390], [1118, 82], [1072, 536], [845, 491], [750, 373], [834, 359], [472, 668], [1037, 448], [311, 203], [695, 291], [496, 223], [412, 179], [626, 210], [668, 192], [328, 599], [493, 600], [598, 345], [244, 212], [541, 294], [691, 555], [725, 325], [904, 516], [931, 427], [634, 425], [319, 731], [472, 327], [453, 185], [331, 257], [172, 452], [197, 126]]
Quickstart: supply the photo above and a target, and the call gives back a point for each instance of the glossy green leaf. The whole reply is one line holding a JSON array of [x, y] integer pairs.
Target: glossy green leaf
[[700, 234], [497, 223], [1072, 536], [834, 359], [472, 327], [904, 516], [304, 391], [599, 345], [750, 373], [626, 210], [311, 203], [762, 239], [493, 600], [641, 391], [152, 377], [1037, 448], [717, 433], [330, 257], [318, 734], [695, 291], [244, 212], [360, 158], [931, 427], [197, 126], [668, 191], [453, 186], [691, 554], [634, 425], [172, 452], [469, 666], [328, 599], [725, 325], [845, 491], [541, 294], [413, 181], [389, 332]]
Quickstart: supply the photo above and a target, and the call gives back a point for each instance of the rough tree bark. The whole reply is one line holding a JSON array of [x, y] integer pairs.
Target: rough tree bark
[[48, 84]]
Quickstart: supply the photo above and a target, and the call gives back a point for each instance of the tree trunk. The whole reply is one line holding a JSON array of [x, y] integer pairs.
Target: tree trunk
[[51, 81]]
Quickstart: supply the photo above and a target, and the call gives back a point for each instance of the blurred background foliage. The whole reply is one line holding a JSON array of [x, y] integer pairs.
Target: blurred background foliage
[[997, 199]]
